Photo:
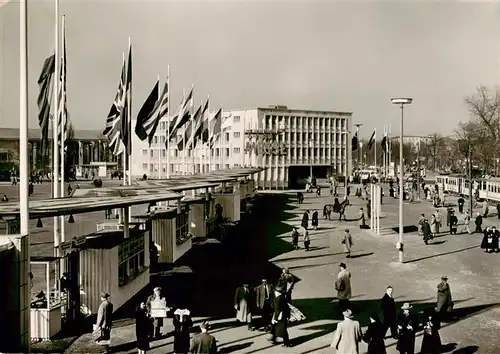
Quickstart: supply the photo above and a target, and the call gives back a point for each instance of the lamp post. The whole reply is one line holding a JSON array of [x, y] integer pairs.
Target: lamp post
[[401, 102]]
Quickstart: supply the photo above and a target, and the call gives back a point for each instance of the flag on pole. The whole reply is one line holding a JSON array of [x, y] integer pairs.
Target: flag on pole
[[216, 127], [182, 116], [127, 123], [148, 114], [45, 97], [372, 139], [200, 121], [62, 98], [354, 142], [383, 143], [113, 129]]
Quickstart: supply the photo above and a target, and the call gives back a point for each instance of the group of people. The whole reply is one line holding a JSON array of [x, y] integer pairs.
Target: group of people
[[150, 316], [403, 326], [272, 304]]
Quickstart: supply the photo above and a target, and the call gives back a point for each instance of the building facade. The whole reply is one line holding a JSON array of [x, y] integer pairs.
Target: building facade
[[292, 144], [89, 148]]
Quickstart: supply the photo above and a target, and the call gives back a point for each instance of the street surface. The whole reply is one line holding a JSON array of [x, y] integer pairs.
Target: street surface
[[265, 247]]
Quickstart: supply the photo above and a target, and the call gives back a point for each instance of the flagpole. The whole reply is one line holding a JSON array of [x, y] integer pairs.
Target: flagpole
[[124, 158], [62, 99], [193, 155], [24, 339], [167, 141], [129, 119], [55, 128], [160, 167], [220, 138], [204, 146], [375, 151], [390, 146], [384, 160]]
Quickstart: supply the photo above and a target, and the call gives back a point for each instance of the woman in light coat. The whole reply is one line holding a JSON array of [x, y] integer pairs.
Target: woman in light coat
[[347, 242], [433, 225]]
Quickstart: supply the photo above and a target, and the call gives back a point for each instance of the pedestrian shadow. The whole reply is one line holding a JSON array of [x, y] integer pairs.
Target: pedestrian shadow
[[321, 309], [442, 254], [471, 349], [307, 257], [361, 255], [406, 229], [235, 347], [438, 242]]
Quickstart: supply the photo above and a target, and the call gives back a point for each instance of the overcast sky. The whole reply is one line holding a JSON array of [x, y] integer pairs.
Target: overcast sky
[[327, 56]]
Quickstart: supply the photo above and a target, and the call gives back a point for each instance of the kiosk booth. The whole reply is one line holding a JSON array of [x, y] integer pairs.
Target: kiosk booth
[[229, 198]]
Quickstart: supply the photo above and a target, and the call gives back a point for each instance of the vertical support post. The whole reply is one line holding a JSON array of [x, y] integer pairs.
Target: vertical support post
[[379, 206], [401, 188], [126, 219], [372, 206], [179, 206]]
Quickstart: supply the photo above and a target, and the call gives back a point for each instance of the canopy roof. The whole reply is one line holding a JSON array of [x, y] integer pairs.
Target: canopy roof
[[143, 192]]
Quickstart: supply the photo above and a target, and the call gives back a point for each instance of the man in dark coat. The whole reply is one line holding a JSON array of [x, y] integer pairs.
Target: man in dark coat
[[479, 223], [407, 326], [444, 304], [281, 314], [305, 220], [453, 223], [426, 231], [203, 343], [461, 202], [264, 303], [388, 306]]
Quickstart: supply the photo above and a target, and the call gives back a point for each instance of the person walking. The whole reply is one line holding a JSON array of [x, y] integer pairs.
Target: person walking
[[307, 240], [348, 335], [453, 223], [426, 231], [305, 220], [374, 336], [314, 219], [498, 211], [431, 343], [421, 219], [102, 327], [461, 202], [444, 304], [479, 223], [182, 327], [433, 225], [466, 223], [407, 326], [347, 242], [142, 328], [388, 307], [203, 343], [361, 219], [280, 318], [343, 287], [243, 300], [264, 303], [295, 238]]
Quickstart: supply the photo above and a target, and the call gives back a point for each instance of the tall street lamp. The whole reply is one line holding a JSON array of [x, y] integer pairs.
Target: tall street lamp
[[400, 246]]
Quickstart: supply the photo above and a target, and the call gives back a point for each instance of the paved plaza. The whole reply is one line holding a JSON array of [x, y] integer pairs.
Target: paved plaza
[[260, 251]]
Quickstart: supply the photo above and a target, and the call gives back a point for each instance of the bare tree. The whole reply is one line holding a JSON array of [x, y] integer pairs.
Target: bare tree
[[484, 107], [435, 144]]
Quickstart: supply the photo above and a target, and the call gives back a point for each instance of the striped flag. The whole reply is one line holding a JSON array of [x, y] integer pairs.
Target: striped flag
[[372, 140], [117, 114], [183, 114], [62, 98], [127, 122], [202, 122], [45, 97], [148, 115], [215, 127]]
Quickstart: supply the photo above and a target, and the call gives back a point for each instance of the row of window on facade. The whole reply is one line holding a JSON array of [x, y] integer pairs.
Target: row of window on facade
[[293, 121], [177, 167]]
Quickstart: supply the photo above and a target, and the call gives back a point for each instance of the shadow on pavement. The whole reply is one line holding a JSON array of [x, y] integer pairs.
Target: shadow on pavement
[[471, 349], [235, 348], [442, 254], [322, 309]]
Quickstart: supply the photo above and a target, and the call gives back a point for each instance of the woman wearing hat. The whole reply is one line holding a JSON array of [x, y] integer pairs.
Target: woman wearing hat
[[375, 335], [444, 300], [102, 328], [280, 317], [407, 326]]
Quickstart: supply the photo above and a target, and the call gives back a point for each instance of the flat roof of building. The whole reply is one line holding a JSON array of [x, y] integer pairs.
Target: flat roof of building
[[96, 199], [281, 108]]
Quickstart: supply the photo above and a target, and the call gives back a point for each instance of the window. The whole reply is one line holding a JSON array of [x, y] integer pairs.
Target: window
[[236, 119], [227, 137], [182, 226], [163, 153], [155, 139], [236, 135], [236, 150], [145, 166], [144, 152], [130, 259], [151, 153], [227, 152]]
